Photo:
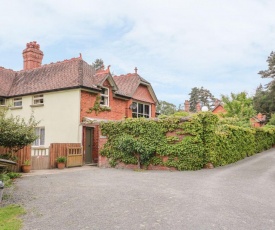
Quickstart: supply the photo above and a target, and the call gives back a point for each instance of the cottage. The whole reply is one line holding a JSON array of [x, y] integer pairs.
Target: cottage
[[67, 97]]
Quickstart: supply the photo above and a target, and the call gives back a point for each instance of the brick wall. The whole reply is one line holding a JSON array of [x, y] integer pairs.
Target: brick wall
[[119, 107]]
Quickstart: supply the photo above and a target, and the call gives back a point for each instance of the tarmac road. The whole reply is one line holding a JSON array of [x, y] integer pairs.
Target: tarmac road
[[237, 196]]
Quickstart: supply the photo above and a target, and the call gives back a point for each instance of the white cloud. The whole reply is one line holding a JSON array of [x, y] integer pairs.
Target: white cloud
[[176, 44]]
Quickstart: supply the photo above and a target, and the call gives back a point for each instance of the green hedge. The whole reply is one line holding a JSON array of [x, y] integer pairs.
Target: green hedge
[[189, 143]]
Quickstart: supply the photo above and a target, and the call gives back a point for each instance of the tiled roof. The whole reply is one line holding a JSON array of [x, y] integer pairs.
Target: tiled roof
[[67, 74], [6, 78], [127, 84], [55, 76]]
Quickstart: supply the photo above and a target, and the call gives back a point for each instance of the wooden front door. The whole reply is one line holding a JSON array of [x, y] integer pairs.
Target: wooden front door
[[89, 145]]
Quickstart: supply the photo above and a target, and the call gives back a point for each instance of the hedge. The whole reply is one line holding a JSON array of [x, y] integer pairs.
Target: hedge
[[188, 143]]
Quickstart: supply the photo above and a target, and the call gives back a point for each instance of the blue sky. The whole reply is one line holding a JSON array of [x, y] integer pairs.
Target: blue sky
[[175, 44]]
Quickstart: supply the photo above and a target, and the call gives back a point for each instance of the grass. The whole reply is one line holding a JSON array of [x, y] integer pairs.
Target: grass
[[9, 217]]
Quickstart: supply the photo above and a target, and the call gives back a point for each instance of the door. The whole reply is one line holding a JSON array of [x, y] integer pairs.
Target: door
[[89, 145]]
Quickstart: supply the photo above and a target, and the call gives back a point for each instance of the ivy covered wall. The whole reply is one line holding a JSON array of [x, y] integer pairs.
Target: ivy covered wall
[[182, 143]]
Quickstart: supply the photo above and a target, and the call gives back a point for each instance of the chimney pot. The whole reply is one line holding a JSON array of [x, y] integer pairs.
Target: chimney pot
[[32, 56]]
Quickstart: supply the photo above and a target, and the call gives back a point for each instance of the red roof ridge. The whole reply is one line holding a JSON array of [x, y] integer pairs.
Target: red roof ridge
[[54, 63], [125, 75], [103, 71], [3, 68]]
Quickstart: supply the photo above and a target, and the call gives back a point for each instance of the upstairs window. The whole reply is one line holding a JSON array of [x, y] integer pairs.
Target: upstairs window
[[2, 101], [38, 99], [40, 132], [17, 102], [140, 110], [104, 97]]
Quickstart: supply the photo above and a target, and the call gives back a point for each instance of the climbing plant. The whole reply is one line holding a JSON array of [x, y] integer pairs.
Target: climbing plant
[[186, 143], [97, 107]]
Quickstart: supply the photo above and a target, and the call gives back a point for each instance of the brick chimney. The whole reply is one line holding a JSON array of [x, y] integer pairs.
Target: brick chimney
[[32, 56], [198, 107], [217, 102], [260, 116], [186, 106]]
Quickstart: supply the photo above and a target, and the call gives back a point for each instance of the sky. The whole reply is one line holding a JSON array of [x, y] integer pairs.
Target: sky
[[176, 45]]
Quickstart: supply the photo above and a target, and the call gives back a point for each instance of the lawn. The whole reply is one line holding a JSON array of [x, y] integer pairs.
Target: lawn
[[9, 217]]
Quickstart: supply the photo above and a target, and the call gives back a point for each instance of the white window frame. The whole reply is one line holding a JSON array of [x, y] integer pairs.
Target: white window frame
[[40, 132], [2, 101], [38, 99], [104, 97], [17, 102], [137, 113]]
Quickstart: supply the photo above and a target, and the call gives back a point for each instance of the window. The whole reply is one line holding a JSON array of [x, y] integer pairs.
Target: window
[[40, 132], [140, 110], [38, 99], [2, 101], [17, 102], [104, 97]]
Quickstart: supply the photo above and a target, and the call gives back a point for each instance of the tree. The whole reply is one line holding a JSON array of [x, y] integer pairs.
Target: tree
[[264, 100], [201, 95], [98, 64], [238, 105], [15, 132], [270, 72], [166, 108]]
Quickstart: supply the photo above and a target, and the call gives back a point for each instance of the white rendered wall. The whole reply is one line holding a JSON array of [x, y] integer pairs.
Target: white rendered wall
[[60, 115]]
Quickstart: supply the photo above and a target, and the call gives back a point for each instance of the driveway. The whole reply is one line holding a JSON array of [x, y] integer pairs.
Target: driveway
[[237, 196]]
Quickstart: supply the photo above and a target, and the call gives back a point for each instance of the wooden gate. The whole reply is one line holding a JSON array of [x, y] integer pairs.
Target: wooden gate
[[74, 156], [40, 158]]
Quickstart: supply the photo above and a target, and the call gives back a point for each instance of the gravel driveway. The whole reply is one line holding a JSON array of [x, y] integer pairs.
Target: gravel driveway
[[237, 196]]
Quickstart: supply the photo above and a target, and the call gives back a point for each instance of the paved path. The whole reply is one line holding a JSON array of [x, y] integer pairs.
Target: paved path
[[237, 196]]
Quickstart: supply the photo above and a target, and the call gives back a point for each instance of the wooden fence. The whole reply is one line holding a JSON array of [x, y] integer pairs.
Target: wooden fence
[[40, 158], [22, 155], [44, 158], [74, 156], [60, 149]]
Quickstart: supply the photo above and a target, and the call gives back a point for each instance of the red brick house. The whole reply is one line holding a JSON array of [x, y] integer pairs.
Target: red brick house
[[70, 97], [218, 109]]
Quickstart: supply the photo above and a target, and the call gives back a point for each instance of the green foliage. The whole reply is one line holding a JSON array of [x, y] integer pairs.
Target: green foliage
[[143, 141], [8, 177], [272, 120], [270, 72], [14, 175], [27, 162], [61, 159], [9, 217], [15, 132], [238, 105], [98, 64], [187, 143], [166, 108], [97, 107], [201, 95]]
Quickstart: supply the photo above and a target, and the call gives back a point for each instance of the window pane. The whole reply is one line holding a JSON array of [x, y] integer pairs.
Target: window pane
[[134, 115], [17, 102], [42, 136], [147, 110], [134, 104], [2, 101], [140, 108]]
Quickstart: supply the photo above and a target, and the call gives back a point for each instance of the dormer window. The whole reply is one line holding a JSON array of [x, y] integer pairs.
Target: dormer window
[[104, 97], [38, 99], [17, 102], [2, 101]]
